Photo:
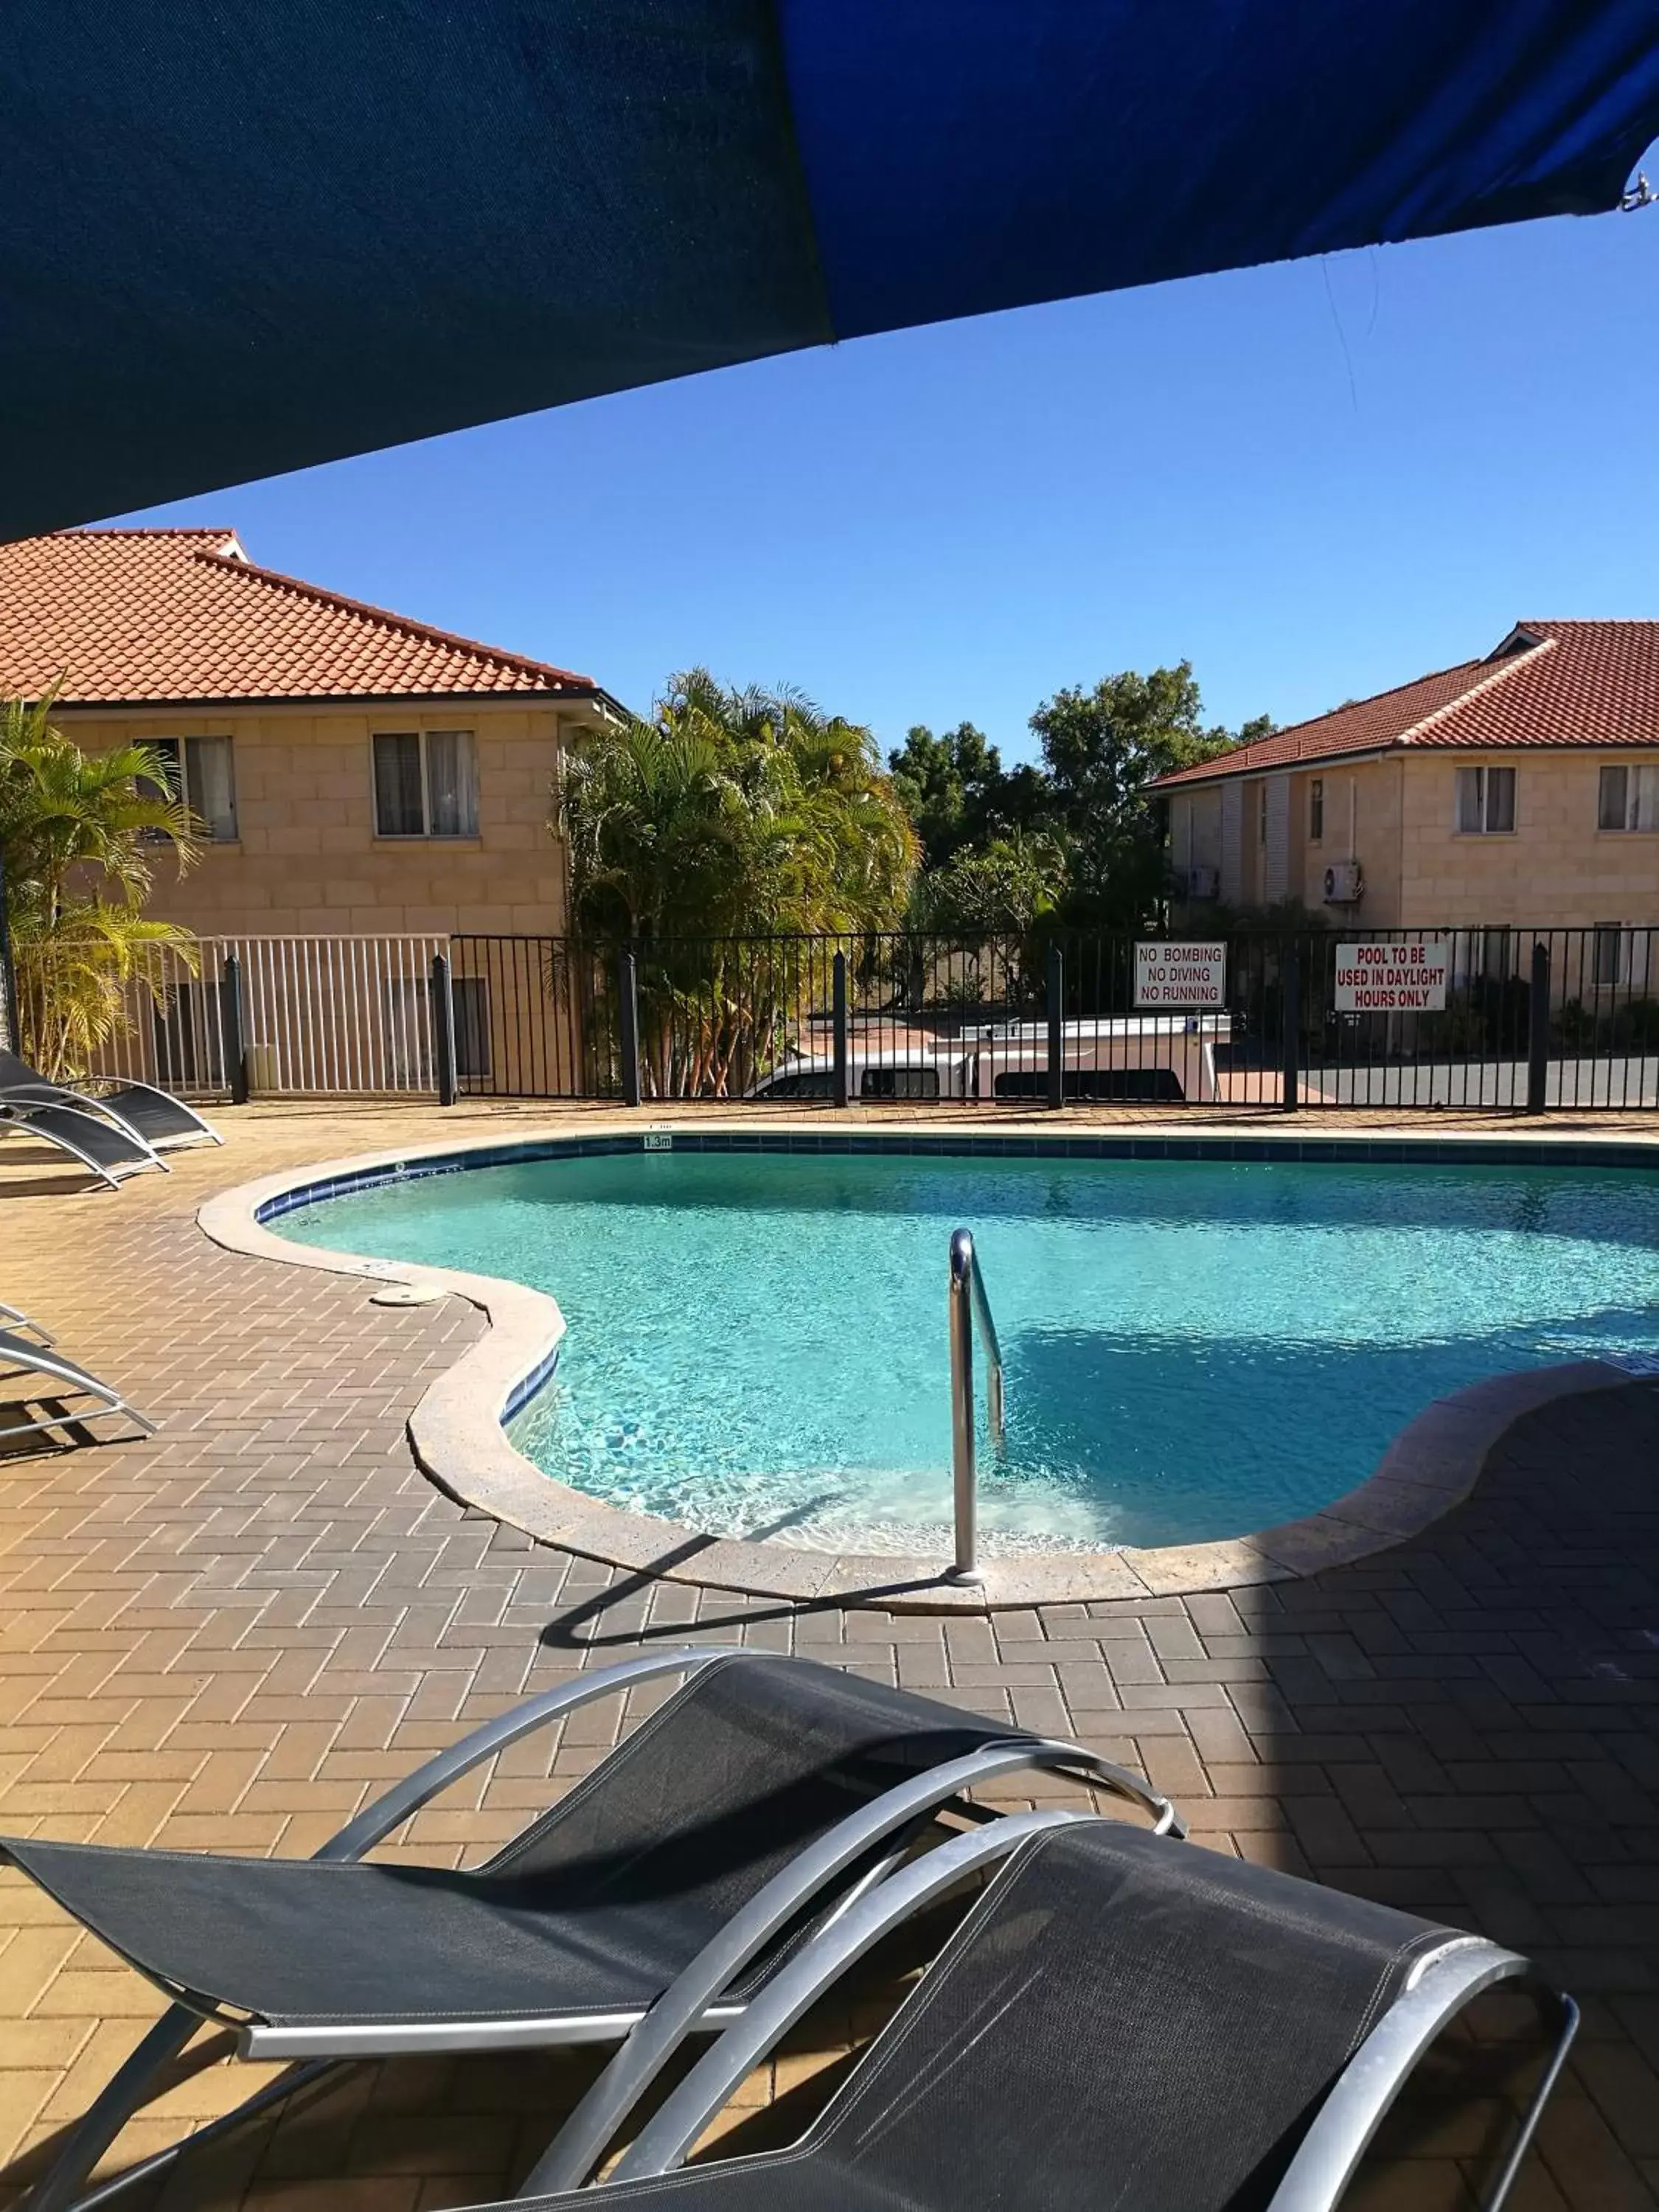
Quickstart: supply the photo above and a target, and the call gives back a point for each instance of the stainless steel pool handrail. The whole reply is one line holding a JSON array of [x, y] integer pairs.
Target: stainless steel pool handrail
[[970, 1309]]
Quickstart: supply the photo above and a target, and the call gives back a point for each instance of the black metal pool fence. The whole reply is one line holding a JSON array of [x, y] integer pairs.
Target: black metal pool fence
[[1502, 1019]]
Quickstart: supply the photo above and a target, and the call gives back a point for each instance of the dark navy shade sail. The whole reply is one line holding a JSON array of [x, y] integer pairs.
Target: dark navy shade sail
[[240, 238]]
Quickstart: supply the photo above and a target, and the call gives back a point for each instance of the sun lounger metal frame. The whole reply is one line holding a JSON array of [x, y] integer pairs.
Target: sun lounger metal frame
[[900, 1814], [20, 1320], [35, 1356]]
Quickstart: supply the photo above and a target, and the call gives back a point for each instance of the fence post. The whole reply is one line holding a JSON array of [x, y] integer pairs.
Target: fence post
[[443, 1030], [1290, 1023], [838, 1011], [1054, 993], [1537, 1028], [627, 1026], [233, 1038]]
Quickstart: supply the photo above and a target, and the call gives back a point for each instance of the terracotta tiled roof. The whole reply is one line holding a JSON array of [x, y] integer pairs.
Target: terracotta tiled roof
[[177, 615], [1550, 683]]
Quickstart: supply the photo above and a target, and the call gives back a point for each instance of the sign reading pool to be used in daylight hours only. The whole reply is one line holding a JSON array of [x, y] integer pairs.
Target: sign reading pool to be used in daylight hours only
[[1400, 975], [1190, 974]]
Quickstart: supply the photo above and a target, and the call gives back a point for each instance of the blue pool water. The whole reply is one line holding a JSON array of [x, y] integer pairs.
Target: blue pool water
[[756, 1342]]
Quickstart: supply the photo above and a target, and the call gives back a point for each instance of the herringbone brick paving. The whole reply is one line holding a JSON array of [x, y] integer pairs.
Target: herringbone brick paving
[[227, 1636]]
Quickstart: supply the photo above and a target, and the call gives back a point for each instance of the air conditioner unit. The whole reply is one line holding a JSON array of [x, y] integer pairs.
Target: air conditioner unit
[[1202, 883], [1345, 883]]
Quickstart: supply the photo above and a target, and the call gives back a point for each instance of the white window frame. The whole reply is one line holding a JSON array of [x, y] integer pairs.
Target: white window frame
[[1484, 787], [182, 783], [1632, 795], [426, 831]]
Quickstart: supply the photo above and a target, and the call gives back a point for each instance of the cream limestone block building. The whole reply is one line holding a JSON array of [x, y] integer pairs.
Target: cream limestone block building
[[356, 772], [1515, 792]]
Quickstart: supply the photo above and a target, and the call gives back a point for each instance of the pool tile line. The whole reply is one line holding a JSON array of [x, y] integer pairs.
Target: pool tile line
[[352, 1179], [460, 1436]]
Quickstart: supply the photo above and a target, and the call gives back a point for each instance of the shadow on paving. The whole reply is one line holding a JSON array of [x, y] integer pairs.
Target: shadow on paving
[[1467, 1727]]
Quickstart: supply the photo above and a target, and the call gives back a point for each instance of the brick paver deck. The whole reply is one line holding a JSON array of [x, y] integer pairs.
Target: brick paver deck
[[226, 1636]]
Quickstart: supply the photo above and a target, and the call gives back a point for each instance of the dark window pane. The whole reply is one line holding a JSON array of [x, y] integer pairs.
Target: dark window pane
[[799, 1086], [470, 995], [398, 809], [1500, 799], [899, 1083], [1470, 796], [1611, 813], [168, 786]]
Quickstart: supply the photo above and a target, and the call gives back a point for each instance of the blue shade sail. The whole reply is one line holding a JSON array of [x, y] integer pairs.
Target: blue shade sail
[[240, 239]]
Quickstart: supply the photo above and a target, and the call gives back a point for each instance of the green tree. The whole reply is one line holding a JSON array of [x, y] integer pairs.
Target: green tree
[[76, 827], [951, 786], [730, 814], [1102, 750], [1078, 838], [1009, 885], [741, 813]]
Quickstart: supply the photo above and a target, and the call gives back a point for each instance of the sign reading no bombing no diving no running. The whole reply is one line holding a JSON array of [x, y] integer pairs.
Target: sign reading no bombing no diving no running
[[1188, 974]]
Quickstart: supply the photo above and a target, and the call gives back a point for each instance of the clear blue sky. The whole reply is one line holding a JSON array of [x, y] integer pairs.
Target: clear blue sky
[[1312, 480]]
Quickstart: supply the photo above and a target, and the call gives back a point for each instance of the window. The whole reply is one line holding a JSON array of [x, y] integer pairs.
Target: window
[[1262, 814], [200, 771], [1486, 799], [1629, 798], [1316, 811], [470, 996], [798, 1086], [426, 784], [1618, 958], [899, 1083], [1489, 955], [412, 1030]]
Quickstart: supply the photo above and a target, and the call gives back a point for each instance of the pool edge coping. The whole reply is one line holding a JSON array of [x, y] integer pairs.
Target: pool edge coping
[[458, 1430]]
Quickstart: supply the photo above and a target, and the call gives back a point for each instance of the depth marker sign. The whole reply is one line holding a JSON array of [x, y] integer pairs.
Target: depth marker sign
[[1404, 975], [1181, 975]]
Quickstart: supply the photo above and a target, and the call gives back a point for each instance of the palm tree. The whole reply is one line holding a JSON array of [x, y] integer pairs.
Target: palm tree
[[74, 827], [729, 817]]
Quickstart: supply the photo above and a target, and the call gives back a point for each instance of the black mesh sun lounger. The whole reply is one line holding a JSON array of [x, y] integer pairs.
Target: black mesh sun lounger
[[1117, 2022], [764, 1789], [144, 1110], [74, 1396], [98, 1143]]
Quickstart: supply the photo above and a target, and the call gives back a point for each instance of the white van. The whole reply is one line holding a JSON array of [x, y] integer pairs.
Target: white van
[[905, 1073], [1127, 1057], [1134, 1057]]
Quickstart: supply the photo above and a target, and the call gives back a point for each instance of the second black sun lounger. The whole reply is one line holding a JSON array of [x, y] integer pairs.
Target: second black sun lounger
[[104, 1145], [767, 1785], [1116, 2023], [143, 1109]]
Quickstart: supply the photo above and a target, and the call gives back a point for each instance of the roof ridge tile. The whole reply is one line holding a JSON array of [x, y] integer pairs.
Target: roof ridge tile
[[1576, 684], [405, 625], [1507, 666], [175, 616]]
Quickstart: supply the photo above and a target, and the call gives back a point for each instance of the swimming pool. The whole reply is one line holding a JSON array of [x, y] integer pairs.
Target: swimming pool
[[756, 1340]]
